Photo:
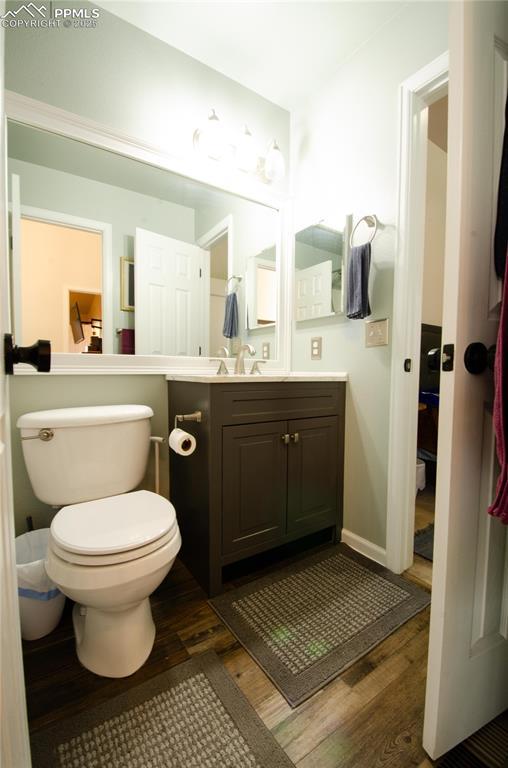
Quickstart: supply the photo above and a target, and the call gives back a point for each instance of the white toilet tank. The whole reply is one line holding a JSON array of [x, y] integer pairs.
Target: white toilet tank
[[92, 452]]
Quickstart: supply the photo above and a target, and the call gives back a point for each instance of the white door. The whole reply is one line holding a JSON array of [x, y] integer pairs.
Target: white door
[[169, 300], [467, 682], [14, 746], [314, 291]]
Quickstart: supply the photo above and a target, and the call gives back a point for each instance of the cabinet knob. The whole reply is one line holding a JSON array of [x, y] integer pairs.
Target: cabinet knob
[[285, 439], [295, 437]]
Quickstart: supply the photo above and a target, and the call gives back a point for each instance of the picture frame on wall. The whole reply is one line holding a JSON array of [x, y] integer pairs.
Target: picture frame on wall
[[126, 284]]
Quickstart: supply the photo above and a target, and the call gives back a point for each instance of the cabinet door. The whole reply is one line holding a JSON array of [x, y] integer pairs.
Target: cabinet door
[[254, 477], [314, 457]]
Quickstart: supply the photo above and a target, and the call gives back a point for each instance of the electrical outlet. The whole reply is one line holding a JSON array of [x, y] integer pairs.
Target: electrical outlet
[[265, 350], [316, 344], [376, 333]]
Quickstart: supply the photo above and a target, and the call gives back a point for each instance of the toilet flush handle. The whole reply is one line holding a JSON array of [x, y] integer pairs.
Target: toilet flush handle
[[45, 435]]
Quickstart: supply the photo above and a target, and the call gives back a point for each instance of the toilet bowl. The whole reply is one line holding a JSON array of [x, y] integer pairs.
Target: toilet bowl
[[109, 555]]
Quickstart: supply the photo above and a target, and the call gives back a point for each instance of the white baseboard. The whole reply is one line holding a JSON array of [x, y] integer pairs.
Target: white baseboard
[[364, 547]]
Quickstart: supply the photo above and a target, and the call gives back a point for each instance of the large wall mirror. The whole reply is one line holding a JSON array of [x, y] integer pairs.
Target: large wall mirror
[[111, 255], [320, 263]]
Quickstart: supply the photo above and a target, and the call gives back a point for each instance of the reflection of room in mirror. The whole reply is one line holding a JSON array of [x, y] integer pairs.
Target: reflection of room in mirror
[[60, 267], [319, 257], [218, 289], [156, 224], [262, 289]]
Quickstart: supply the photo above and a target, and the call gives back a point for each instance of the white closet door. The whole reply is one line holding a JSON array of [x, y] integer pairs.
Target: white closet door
[[169, 296], [314, 291]]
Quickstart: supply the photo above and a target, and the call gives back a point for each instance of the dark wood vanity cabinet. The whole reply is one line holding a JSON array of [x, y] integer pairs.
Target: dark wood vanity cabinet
[[268, 469]]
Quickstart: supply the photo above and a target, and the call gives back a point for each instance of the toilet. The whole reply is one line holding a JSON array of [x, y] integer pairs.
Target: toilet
[[110, 546]]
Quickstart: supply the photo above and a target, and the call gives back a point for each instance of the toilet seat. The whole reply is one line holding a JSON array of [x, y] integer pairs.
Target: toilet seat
[[116, 529]]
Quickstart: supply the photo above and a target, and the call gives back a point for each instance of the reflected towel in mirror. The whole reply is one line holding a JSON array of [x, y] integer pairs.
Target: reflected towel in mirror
[[358, 306], [127, 341], [230, 329]]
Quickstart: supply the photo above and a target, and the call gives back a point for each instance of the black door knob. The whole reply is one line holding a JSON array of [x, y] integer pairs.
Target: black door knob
[[477, 358], [434, 359], [38, 355]]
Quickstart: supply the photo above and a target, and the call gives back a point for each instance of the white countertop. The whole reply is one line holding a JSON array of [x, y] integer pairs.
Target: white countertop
[[212, 378]]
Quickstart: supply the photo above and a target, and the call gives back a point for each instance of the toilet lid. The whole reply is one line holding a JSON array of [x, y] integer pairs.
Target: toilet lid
[[115, 524]]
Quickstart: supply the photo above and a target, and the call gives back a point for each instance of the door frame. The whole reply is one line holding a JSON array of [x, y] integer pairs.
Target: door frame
[[223, 227], [14, 738], [417, 93], [88, 225]]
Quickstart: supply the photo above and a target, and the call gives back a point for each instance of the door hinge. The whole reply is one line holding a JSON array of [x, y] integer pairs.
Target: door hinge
[[447, 357], [200, 351], [407, 365], [200, 272]]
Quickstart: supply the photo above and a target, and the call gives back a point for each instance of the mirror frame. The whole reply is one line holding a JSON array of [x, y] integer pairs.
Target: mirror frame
[[38, 114]]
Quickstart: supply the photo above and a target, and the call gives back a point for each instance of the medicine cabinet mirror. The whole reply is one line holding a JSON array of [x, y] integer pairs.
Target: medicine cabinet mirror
[[112, 255], [320, 264]]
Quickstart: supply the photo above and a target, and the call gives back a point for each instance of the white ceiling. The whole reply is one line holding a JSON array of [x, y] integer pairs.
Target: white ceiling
[[281, 50]]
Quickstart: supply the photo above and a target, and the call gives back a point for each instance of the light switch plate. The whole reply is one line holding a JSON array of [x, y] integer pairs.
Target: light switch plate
[[235, 345], [376, 333], [265, 350], [316, 344]]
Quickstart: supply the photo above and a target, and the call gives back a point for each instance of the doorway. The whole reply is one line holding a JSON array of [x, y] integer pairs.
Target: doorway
[[430, 338], [61, 285], [218, 290], [418, 94]]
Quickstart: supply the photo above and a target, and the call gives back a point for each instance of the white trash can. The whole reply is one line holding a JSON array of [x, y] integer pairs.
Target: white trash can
[[40, 601], [420, 475]]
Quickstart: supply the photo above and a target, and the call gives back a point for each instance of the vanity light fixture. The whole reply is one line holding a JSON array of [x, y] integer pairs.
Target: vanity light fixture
[[210, 139], [275, 167], [246, 155]]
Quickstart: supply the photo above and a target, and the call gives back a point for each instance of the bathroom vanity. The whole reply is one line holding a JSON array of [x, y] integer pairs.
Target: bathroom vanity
[[267, 470]]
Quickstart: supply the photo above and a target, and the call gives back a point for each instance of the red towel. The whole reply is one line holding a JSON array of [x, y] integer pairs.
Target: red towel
[[499, 507], [127, 341]]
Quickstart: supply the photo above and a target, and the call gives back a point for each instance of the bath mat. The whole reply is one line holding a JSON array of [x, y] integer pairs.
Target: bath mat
[[424, 542], [308, 622], [194, 715]]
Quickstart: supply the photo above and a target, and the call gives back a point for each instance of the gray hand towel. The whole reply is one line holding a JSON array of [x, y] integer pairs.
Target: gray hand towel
[[230, 329], [357, 300]]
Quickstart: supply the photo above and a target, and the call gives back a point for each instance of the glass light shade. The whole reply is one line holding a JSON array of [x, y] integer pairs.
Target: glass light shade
[[246, 155], [275, 166], [211, 138]]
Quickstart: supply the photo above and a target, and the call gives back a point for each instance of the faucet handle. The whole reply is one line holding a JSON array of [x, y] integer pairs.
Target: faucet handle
[[255, 367], [223, 369], [222, 352]]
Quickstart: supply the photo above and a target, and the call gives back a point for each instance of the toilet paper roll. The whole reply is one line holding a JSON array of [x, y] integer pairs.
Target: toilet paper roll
[[182, 442]]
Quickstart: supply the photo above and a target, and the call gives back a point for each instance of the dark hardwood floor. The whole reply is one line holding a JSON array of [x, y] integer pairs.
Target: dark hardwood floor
[[370, 716]]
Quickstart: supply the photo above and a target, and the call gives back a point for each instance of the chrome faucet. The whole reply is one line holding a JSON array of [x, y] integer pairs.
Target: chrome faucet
[[240, 364]]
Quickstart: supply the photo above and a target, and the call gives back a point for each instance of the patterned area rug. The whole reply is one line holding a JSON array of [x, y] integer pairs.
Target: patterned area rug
[[424, 542], [193, 715], [307, 623]]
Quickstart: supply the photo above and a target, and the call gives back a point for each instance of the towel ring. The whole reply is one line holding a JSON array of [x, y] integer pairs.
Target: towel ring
[[235, 287], [371, 221]]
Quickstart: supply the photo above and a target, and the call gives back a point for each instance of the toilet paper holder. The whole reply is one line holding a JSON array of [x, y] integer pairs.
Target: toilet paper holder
[[196, 416]]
